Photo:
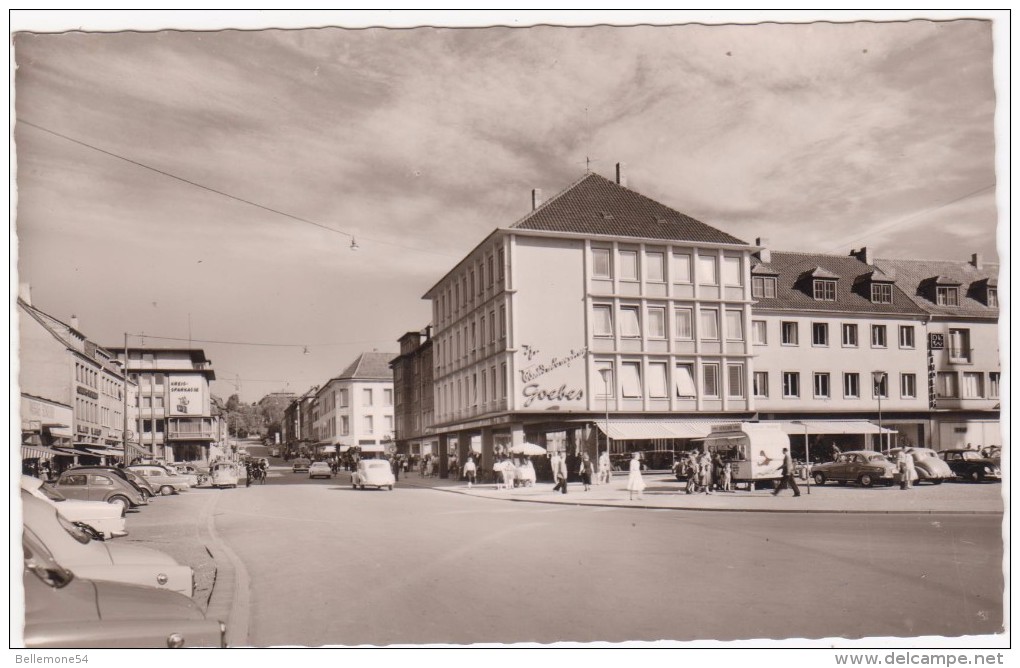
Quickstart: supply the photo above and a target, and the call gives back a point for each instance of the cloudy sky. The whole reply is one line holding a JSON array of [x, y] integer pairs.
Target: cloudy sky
[[419, 142]]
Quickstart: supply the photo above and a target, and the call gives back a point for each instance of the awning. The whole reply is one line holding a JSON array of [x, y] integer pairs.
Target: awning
[[102, 453], [832, 427], [642, 430], [60, 432], [36, 451]]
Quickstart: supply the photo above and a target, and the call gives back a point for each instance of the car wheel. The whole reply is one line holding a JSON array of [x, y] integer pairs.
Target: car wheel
[[866, 480], [819, 478], [390, 488], [123, 501], [976, 476], [166, 490]]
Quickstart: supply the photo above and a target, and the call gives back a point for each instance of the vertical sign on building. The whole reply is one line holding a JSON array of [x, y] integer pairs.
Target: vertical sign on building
[[936, 341]]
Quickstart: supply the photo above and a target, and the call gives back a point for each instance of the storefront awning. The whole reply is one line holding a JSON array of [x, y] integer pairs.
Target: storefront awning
[[38, 451], [833, 427], [643, 430], [60, 432]]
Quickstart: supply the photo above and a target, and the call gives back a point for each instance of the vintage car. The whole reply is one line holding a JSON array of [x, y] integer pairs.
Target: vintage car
[[138, 482], [193, 474], [98, 485], [929, 467], [225, 474], [102, 561], [864, 467], [162, 479], [106, 519], [970, 465], [320, 470], [301, 464], [65, 610], [373, 473]]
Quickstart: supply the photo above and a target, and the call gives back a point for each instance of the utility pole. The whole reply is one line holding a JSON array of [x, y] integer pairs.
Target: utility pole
[[124, 370]]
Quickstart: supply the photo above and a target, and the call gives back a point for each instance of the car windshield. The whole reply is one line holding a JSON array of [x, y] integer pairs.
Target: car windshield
[[376, 464], [50, 493], [876, 458], [970, 455]]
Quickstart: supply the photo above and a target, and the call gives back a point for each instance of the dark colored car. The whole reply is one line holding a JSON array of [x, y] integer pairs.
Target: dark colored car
[[970, 465], [864, 467], [140, 484]]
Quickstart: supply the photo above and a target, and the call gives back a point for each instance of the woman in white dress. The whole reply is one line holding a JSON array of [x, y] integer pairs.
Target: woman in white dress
[[635, 483]]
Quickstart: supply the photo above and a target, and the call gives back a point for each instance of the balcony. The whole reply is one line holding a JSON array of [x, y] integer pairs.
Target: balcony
[[190, 431]]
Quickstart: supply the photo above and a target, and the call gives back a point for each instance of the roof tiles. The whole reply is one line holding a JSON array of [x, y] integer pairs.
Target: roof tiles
[[915, 278]]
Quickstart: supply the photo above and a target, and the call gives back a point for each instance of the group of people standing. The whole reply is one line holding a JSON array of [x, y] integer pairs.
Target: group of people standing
[[706, 473]]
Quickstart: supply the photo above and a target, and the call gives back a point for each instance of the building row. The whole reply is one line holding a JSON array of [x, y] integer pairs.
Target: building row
[[603, 313]]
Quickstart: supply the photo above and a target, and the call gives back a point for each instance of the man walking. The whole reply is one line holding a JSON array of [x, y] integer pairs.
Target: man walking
[[559, 468], [788, 479]]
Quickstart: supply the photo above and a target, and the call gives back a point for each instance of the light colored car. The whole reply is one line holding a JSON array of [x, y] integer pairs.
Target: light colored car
[[300, 464], [98, 485], [107, 519], [373, 473], [320, 470], [62, 610], [93, 560], [160, 478], [928, 464], [864, 467], [225, 474]]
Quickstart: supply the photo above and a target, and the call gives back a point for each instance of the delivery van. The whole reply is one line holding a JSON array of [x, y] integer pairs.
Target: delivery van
[[754, 450]]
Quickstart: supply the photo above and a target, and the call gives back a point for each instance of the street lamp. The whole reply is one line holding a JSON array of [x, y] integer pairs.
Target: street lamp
[[606, 374], [878, 378]]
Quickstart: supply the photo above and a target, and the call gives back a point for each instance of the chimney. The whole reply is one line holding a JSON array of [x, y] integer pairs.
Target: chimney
[[621, 177], [428, 332], [74, 322], [765, 255], [536, 198], [25, 293], [975, 259], [864, 255]]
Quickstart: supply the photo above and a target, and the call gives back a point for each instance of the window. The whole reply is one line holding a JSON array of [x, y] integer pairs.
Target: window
[[502, 263], [345, 425], [734, 325], [945, 384], [657, 323], [471, 283], [684, 380], [709, 324], [878, 336], [655, 267], [791, 384], [502, 379], [852, 385], [628, 265], [790, 335], [146, 402], [657, 385], [605, 383], [959, 345], [759, 332], [388, 396], [881, 293], [992, 297], [735, 381], [630, 380], [367, 394], [821, 386], [489, 271], [819, 334], [710, 378], [601, 265], [849, 335], [684, 318], [681, 268], [763, 287], [908, 386], [502, 322], [972, 385], [947, 296], [492, 327], [761, 384], [825, 290], [731, 273], [369, 424], [157, 402], [906, 336], [880, 388], [630, 323], [708, 271]]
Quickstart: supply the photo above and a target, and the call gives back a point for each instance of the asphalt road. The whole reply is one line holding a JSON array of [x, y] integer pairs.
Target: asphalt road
[[333, 566]]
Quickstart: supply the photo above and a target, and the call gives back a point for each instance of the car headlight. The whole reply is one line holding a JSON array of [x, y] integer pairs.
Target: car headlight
[[989, 469], [162, 579], [175, 640]]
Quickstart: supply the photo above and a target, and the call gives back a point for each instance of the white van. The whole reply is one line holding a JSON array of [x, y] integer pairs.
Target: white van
[[754, 450]]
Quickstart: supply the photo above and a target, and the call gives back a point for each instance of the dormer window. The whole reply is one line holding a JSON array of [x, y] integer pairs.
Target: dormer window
[[763, 287], [992, 297], [881, 293], [947, 295], [825, 290]]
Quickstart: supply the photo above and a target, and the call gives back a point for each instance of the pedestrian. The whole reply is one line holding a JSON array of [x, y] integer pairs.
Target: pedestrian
[[635, 483], [469, 471], [507, 470], [705, 472], [587, 469], [717, 470], [691, 468], [834, 451], [788, 480], [395, 465], [559, 469], [605, 469], [727, 477], [247, 474], [905, 464]]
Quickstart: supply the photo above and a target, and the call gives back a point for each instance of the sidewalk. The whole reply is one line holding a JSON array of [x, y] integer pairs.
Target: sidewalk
[[663, 492]]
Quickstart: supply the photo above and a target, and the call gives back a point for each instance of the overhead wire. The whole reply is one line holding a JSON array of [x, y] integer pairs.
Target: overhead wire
[[254, 343]]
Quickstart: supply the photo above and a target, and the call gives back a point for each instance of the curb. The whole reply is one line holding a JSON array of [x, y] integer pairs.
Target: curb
[[229, 601], [607, 504]]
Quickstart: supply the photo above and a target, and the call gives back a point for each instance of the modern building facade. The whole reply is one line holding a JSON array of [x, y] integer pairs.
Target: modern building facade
[[414, 407], [356, 407]]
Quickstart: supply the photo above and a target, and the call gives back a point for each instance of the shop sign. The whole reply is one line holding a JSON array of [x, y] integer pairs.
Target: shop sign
[[186, 395], [544, 379], [87, 392], [534, 391]]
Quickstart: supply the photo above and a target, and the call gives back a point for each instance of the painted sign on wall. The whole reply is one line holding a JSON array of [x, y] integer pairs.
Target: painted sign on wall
[[186, 395]]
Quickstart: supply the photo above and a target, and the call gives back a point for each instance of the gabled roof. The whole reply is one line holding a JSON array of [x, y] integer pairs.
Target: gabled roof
[[913, 276], [852, 295], [597, 206], [369, 366]]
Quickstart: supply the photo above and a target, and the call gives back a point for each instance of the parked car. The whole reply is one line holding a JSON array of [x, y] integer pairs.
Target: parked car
[[195, 475], [65, 610], [970, 465], [162, 479], [373, 473], [225, 474], [320, 470], [864, 467], [102, 561], [98, 485], [144, 489], [301, 464], [929, 467], [106, 519]]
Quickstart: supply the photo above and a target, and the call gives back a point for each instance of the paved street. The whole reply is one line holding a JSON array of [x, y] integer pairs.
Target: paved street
[[330, 565]]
